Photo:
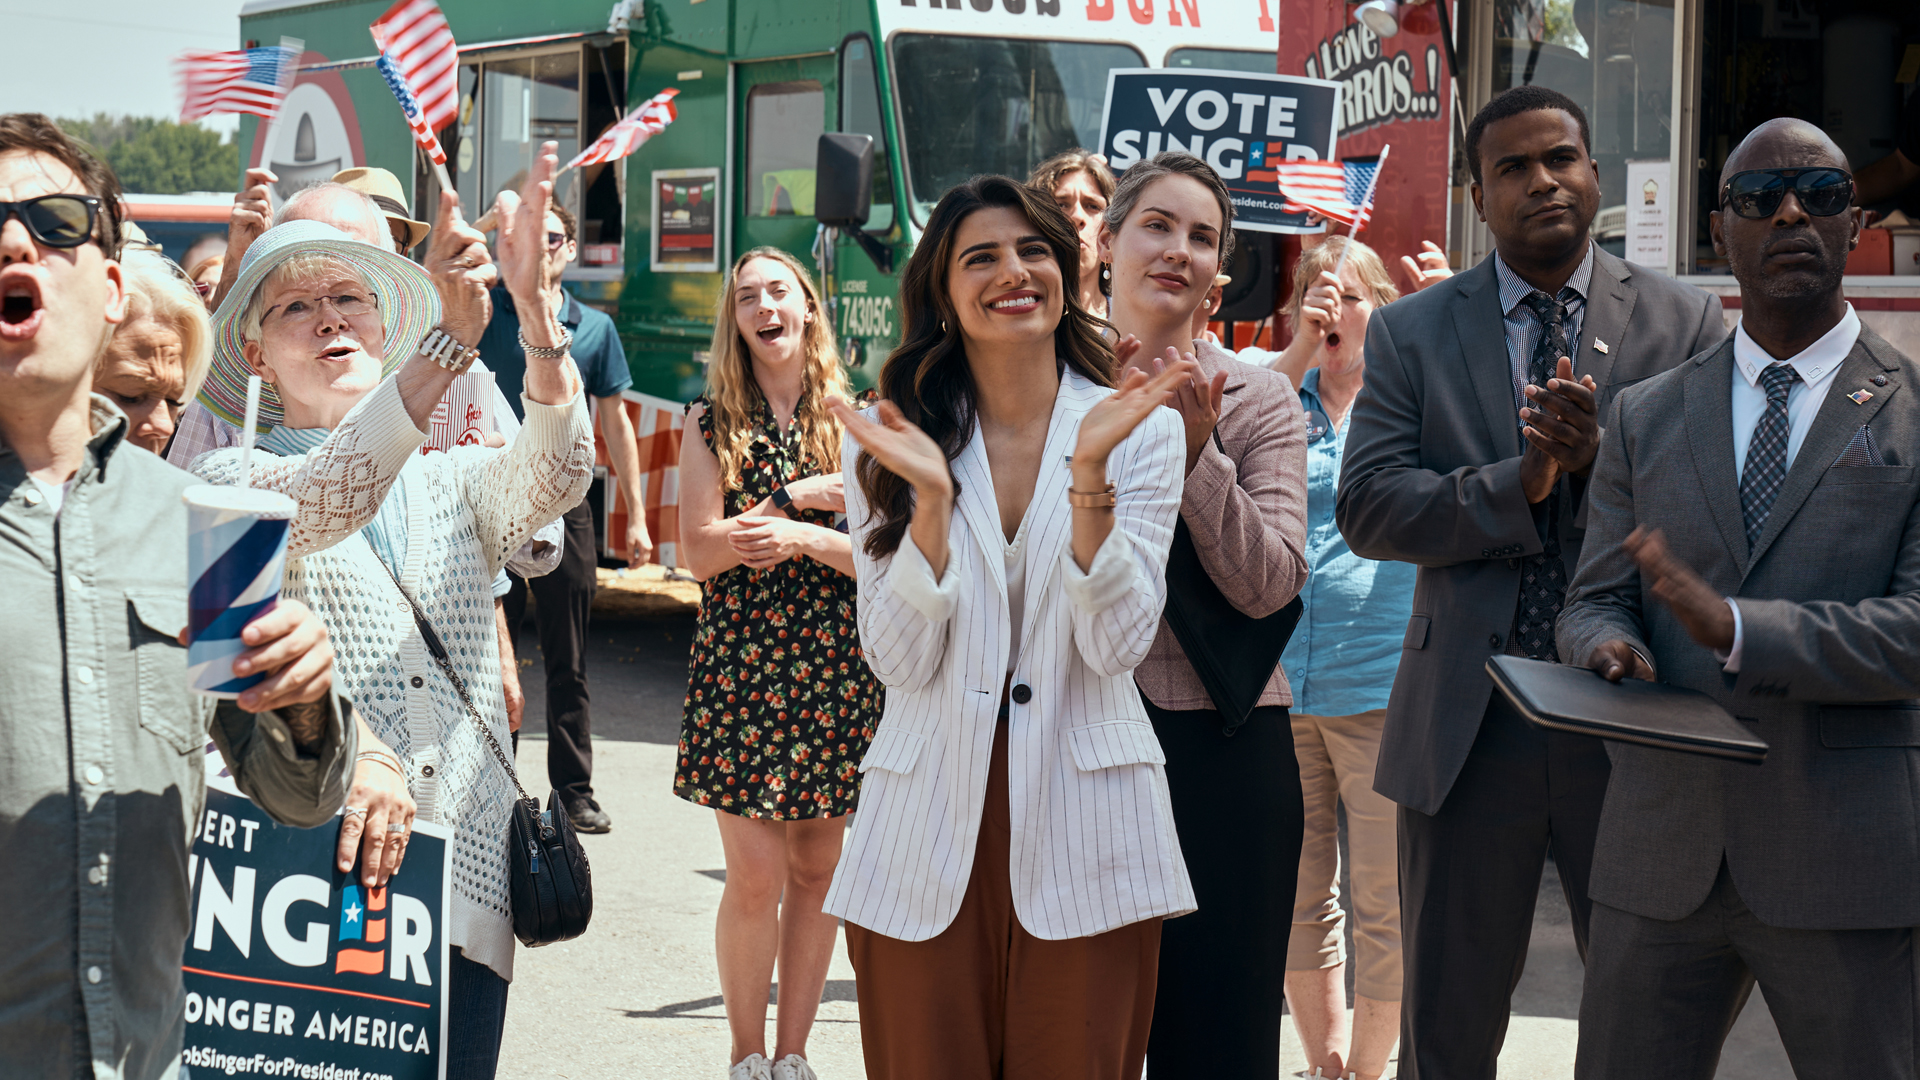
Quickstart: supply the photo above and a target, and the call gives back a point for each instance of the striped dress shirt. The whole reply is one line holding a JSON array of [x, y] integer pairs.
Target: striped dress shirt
[[1523, 328]]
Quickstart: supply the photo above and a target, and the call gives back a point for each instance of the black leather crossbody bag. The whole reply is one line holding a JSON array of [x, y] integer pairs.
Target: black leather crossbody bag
[[548, 882], [1233, 653]]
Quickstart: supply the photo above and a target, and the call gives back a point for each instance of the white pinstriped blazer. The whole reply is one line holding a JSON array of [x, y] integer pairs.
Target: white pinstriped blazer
[[1093, 845]]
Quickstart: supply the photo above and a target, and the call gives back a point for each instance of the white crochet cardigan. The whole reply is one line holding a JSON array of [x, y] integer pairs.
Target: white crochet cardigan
[[467, 511]]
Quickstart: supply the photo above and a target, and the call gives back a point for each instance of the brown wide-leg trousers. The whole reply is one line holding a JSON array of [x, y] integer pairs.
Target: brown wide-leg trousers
[[985, 1000]]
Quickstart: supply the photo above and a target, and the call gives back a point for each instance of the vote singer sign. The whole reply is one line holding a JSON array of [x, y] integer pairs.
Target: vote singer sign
[[295, 969], [1241, 124]]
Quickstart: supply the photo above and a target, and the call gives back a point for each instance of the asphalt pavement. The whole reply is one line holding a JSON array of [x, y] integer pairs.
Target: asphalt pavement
[[638, 997]]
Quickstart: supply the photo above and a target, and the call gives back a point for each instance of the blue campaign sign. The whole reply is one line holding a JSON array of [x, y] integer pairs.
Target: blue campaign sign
[[1240, 123], [295, 969]]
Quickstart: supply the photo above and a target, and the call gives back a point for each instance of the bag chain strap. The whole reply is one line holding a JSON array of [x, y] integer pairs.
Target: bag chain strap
[[439, 651]]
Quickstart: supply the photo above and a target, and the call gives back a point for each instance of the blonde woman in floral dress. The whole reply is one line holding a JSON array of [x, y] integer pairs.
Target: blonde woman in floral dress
[[780, 703]]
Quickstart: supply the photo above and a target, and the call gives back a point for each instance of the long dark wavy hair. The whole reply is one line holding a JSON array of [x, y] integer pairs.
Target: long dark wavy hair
[[928, 378]]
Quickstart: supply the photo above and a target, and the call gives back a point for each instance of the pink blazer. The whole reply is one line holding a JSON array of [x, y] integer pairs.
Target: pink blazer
[[1246, 507]]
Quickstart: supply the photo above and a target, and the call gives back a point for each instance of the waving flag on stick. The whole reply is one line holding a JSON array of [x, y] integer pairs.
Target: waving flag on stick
[[416, 119], [415, 34], [623, 138], [1336, 191], [251, 81]]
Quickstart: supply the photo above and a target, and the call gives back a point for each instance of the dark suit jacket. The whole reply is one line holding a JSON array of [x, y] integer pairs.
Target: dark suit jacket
[[1826, 833], [1432, 477]]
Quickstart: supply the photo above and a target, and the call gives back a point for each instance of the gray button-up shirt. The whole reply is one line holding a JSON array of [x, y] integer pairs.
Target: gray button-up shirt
[[101, 764]]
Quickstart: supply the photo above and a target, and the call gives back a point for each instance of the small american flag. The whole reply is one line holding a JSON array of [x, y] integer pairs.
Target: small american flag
[[252, 81], [415, 34], [1338, 191], [410, 105], [623, 138]]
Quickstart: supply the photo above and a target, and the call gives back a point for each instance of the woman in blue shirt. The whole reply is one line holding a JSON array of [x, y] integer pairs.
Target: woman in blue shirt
[[1342, 660]]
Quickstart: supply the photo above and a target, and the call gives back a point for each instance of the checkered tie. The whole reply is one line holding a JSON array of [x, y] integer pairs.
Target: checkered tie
[[1766, 467], [1543, 577]]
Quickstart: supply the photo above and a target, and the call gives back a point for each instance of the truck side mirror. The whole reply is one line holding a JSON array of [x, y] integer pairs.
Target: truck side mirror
[[843, 180]]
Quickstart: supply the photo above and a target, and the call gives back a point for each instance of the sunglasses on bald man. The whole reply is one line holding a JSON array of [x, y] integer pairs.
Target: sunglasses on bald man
[[1757, 193]]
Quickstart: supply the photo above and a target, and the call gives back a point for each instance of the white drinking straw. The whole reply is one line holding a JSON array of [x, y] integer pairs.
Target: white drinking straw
[[1365, 202], [246, 430]]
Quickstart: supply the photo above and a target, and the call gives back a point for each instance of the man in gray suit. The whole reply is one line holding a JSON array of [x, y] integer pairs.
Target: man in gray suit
[[1468, 456], [1763, 495]]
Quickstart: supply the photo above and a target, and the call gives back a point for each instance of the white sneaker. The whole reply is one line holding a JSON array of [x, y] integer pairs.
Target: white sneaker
[[751, 1067], [793, 1067]]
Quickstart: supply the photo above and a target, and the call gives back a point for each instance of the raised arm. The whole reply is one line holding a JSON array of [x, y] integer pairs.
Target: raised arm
[[1249, 521], [1391, 507], [1116, 602], [340, 483], [907, 598]]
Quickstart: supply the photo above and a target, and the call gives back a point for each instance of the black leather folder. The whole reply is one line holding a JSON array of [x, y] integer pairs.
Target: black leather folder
[[1578, 700]]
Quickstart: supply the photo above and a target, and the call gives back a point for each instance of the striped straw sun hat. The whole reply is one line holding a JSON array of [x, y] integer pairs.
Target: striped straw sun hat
[[409, 307]]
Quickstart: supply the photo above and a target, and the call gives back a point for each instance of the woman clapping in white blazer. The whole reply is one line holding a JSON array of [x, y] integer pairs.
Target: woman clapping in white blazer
[[1004, 881]]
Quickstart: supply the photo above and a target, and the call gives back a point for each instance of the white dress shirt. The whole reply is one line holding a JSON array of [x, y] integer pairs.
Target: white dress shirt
[[1817, 364]]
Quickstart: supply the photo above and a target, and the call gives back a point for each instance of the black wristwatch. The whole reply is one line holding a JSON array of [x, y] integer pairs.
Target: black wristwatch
[[782, 500]]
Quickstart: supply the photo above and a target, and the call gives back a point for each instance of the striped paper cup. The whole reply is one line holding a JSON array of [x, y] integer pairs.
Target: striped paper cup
[[236, 557]]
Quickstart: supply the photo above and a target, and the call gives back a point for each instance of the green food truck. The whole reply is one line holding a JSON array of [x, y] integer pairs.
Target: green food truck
[[944, 88]]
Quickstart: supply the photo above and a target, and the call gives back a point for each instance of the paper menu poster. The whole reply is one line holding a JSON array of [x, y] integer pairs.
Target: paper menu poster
[[464, 416]]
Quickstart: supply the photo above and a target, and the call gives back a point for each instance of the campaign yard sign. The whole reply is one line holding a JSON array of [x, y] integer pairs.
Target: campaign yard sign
[[295, 969], [1238, 122]]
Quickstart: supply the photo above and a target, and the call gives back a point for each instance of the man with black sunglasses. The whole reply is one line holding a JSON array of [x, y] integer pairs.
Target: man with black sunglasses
[[101, 740], [1468, 454], [1754, 534]]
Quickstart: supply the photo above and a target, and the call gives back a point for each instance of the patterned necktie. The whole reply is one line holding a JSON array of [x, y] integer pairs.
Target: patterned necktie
[[1766, 467], [1543, 577]]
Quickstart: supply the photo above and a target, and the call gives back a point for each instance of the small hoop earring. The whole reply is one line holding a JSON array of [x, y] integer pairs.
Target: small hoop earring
[[943, 326]]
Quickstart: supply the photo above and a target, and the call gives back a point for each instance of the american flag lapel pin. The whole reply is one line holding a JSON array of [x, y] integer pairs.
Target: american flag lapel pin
[[1860, 396], [1599, 346]]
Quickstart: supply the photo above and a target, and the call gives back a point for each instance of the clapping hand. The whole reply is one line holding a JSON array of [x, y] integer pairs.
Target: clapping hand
[[1197, 402], [1699, 607], [1427, 267], [1562, 430], [898, 445], [1117, 414]]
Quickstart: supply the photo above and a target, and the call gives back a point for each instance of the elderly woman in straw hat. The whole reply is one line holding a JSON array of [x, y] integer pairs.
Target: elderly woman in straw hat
[[384, 530]]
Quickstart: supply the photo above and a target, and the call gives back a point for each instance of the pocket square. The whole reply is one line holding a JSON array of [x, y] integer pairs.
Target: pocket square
[[1860, 451]]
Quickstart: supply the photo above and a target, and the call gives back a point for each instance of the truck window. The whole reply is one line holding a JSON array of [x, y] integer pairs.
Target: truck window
[[784, 125], [995, 105], [525, 101], [1223, 60], [860, 114]]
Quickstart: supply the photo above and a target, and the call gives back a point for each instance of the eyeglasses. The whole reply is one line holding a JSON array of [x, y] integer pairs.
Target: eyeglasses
[[302, 313], [555, 239], [1757, 193], [58, 221]]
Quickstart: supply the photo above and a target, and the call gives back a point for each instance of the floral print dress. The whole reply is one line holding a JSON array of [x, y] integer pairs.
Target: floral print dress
[[780, 702]]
